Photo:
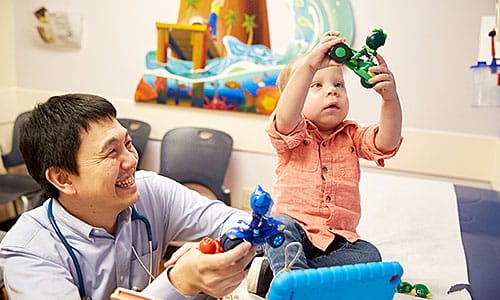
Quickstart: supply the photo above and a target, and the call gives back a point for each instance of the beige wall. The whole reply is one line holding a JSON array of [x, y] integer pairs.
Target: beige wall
[[495, 181], [7, 73], [444, 154], [7, 45]]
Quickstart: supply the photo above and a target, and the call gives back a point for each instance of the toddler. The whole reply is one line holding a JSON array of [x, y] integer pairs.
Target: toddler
[[316, 191]]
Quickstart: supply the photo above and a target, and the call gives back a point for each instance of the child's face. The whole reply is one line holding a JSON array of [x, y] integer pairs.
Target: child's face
[[326, 103]]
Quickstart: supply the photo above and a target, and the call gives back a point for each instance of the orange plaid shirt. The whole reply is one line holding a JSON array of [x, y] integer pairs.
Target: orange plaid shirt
[[318, 179]]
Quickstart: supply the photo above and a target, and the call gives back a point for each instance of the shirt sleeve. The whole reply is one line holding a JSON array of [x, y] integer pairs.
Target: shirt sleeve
[[162, 288], [285, 142], [182, 214], [22, 270], [364, 139], [187, 216]]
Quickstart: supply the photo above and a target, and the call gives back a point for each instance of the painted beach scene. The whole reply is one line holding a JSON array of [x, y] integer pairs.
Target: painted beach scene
[[219, 56]]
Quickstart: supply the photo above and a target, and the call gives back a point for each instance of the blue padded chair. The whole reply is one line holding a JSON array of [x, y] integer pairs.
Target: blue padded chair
[[193, 155], [16, 186]]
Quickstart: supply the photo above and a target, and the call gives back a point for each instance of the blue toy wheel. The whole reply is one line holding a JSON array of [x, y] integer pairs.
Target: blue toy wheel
[[228, 244], [276, 240]]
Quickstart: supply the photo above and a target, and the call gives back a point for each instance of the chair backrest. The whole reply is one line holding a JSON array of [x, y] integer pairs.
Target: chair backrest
[[14, 157], [199, 156], [139, 131]]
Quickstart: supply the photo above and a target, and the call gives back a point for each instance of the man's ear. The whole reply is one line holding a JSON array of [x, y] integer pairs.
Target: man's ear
[[60, 179]]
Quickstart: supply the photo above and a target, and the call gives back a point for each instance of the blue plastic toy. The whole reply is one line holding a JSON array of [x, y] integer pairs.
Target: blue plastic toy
[[261, 229], [374, 281]]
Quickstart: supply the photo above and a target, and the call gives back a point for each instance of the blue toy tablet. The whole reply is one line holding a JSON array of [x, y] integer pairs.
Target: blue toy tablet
[[374, 281]]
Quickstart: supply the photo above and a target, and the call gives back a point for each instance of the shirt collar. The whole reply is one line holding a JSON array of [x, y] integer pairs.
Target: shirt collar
[[81, 228], [311, 126]]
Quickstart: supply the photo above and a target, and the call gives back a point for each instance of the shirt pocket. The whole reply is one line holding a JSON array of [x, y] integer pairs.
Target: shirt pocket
[[347, 164], [304, 158], [138, 275]]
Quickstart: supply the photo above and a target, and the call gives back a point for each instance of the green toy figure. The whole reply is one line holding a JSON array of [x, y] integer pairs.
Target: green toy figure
[[404, 287], [417, 290], [362, 60], [420, 290]]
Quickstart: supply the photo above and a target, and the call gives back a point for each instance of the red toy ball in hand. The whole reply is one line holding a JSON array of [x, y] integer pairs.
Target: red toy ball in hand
[[210, 246]]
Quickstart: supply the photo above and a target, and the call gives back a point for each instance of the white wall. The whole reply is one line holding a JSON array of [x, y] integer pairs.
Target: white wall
[[430, 46], [7, 49]]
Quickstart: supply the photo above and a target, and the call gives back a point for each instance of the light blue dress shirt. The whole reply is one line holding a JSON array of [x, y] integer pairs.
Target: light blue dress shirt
[[37, 266]]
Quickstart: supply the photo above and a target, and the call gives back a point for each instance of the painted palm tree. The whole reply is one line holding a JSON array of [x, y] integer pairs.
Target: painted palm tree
[[192, 3], [231, 18], [249, 25]]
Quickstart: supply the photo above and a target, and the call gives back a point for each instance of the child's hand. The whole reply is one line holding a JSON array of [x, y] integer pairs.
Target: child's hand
[[385, 84], [318, 58]]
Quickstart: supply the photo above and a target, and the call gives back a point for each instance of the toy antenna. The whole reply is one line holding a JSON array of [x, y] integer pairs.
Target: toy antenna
[[492, 35]]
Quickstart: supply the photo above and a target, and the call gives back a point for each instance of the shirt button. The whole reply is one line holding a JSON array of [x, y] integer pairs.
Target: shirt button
[[324, 144], [351, 149], [324, 169], [328, 198], [121, 278], [306, 142]]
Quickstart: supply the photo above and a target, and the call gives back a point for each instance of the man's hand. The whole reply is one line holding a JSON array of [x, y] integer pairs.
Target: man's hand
[[214, 274]]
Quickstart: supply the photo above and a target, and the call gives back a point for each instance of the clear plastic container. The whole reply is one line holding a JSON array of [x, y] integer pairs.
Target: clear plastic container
[[486, 83]]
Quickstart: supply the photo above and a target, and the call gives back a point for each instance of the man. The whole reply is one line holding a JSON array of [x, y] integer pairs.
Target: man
[[105, 224]]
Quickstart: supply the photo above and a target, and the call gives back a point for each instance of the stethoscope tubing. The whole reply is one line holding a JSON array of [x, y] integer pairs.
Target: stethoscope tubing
[[81, 285]]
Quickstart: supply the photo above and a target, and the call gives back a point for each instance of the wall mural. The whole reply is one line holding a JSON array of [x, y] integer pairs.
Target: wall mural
[[218, 54]]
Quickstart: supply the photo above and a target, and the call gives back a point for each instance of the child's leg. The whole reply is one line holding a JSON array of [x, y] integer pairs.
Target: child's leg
[[360, 251], [293, 233]]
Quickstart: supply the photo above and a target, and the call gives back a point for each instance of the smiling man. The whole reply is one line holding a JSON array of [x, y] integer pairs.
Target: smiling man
[[104, 224]]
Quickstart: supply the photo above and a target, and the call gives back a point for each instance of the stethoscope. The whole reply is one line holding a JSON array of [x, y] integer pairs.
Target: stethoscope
[[81, 285]]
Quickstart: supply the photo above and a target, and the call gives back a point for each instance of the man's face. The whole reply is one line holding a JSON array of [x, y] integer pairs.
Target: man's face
[[106, 161]]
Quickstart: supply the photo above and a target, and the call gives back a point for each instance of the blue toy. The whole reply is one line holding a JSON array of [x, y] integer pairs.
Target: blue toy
[[262, 228], [374, 281]]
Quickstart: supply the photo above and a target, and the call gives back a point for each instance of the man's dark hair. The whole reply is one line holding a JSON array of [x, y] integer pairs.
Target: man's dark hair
[[50, 136]]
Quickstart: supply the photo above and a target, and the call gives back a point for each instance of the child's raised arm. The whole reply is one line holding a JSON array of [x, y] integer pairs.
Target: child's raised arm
[[391, 116], [293, 96]]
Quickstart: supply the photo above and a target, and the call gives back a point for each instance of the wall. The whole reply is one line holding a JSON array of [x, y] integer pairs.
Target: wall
[[7, 48], [444, 134], [7, 73], [430, 59], [459, 158]]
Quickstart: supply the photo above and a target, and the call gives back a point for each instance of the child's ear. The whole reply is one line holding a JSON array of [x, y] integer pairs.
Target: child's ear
[[60, 179]]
